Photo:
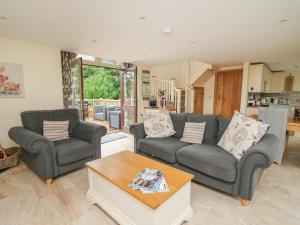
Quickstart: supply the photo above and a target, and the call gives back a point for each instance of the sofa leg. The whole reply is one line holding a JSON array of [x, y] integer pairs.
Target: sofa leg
[[245, 202], [49, 181]]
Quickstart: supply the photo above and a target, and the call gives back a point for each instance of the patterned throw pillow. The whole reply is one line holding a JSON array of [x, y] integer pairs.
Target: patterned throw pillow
[[242, 133], [193, 132], [56, 130], [158, 124]]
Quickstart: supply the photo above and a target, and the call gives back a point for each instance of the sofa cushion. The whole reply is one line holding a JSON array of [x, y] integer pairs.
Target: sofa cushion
[[158, 124], [178, 120], [72, 150], [210, 160], [162, 148], [193, 133], [242, 133], [222, 126], [211, 128]]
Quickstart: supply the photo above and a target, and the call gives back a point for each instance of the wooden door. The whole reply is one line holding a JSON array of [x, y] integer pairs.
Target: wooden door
[[198, 100], [228, 87]]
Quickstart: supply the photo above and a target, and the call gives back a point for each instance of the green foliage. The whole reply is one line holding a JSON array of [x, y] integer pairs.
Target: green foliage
[[101, 82]]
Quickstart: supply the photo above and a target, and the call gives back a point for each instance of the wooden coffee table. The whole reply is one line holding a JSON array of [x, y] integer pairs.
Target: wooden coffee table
[[108, 187]]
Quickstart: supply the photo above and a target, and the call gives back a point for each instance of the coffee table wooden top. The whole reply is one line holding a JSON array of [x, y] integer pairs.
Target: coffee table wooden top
[[122, 167]]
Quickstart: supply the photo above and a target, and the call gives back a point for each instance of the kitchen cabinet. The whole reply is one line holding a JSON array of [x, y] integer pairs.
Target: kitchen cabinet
[[277, 82], [259, 78]]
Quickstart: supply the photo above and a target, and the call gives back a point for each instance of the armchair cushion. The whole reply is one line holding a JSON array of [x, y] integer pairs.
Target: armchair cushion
[[33, 120], [72, 150]]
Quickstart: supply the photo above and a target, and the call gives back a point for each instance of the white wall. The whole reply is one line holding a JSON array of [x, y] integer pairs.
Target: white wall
[[42, 82], [169, 71]]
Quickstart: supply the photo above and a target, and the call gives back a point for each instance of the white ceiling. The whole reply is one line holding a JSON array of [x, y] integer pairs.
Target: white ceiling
[[224, 32]]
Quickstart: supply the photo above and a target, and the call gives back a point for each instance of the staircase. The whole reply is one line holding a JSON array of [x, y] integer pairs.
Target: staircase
[[175, 97]]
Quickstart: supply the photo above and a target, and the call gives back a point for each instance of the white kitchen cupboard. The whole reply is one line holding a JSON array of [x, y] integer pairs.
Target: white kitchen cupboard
[[259, 79]]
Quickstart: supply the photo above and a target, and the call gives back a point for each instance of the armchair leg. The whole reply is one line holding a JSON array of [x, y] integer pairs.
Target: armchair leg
[[49, 181], [245, 202]]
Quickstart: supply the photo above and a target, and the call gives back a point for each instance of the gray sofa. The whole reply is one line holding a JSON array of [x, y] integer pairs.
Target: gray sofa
[[209, 164], [50, 159]]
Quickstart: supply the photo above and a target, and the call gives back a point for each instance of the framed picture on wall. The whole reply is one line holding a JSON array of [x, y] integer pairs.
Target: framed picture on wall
[[11, 80], [146, 89]]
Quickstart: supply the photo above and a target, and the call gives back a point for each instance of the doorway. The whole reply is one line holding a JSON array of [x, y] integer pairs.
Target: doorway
[[105, 95], [198, 100], [228, 87]]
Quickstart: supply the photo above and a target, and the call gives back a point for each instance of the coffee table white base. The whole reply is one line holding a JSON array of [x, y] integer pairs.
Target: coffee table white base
[[127, 210]]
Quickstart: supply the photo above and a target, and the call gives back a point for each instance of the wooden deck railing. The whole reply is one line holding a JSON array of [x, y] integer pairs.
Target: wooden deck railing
[[93, 102]]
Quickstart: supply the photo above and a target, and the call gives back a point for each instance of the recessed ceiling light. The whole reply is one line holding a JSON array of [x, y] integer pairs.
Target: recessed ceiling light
[[192, 42], [142, 18], [296, 66], [94, 41], [3, 18], [145, 53], [283, 20], [167, 31]]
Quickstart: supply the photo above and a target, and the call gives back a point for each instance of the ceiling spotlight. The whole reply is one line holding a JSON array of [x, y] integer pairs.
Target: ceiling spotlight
[[283, 20], [3, 18], [142, 18], [167, 31], [94, 41]]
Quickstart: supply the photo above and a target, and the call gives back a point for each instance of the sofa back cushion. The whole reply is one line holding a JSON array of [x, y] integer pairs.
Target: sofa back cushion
[[33, 119], [178, 120], [222, 126], [211, 128]]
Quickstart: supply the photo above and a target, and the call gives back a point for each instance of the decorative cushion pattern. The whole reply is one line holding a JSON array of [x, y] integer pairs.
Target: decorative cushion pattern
[[242, 133], [193, 132], [56, 130], [158, 124]]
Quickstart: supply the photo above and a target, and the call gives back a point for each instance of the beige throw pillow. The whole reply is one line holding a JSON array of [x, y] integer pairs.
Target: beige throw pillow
[[56, 130], [158, 124], [242, 133], [193, 132]]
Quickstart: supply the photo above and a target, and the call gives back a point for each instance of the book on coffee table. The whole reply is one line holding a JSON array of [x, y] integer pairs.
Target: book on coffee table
[[149, 181]]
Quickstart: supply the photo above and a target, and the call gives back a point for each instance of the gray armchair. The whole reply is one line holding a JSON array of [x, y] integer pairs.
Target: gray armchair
[[50, 159]]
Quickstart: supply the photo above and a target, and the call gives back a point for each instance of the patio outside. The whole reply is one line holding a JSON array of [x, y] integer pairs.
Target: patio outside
[[102, 96]]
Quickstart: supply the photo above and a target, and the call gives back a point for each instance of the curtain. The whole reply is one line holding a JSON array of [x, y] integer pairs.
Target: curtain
[[66, 65]]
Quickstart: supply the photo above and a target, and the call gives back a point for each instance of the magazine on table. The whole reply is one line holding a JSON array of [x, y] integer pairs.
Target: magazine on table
[[150, 181]]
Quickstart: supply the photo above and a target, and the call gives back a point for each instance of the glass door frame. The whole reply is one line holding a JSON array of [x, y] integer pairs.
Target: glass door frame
[[134, 69], [78, 61]]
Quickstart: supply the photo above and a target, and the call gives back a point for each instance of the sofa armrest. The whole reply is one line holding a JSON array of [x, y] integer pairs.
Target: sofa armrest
[[89, 132], [30, 141], [35, 143], [138, 132], [252, 163]]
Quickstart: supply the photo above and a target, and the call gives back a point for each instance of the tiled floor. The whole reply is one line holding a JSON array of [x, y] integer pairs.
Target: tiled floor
[[25, 199]]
